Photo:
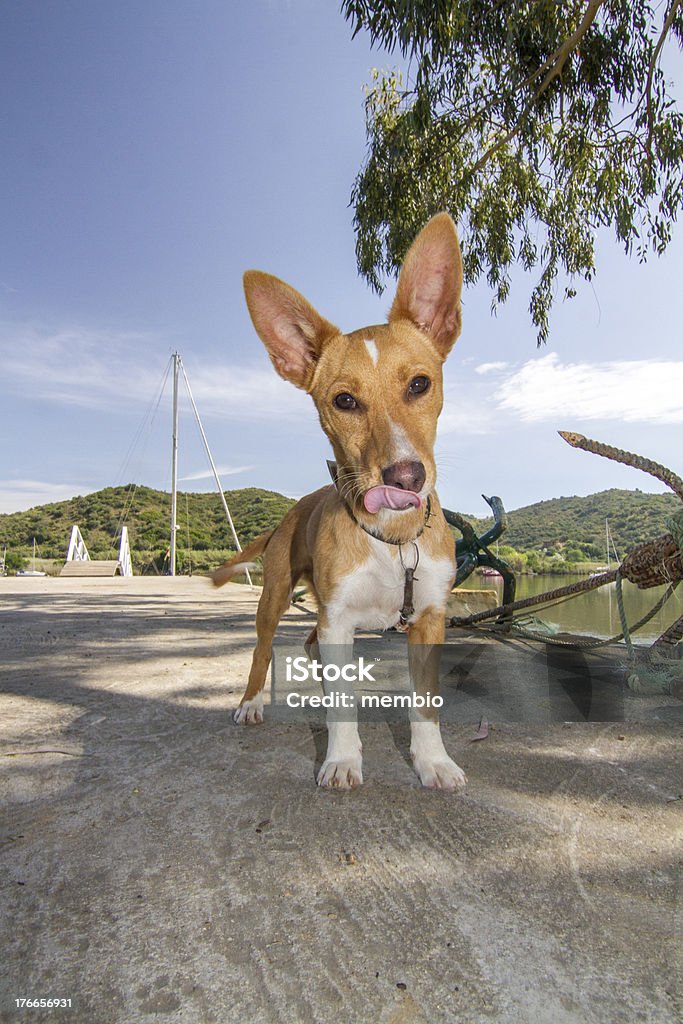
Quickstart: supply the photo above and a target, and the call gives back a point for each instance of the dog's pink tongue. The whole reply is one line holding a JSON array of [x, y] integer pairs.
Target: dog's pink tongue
[[390, 497]]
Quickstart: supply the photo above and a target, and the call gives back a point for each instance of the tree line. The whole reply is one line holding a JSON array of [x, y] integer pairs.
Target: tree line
[[540, 536]]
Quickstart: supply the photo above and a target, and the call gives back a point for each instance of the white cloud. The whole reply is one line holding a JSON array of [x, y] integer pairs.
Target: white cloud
[[18, 495], [490, 367], [205, 474], [96, 369], [469, 417], [247, 393], [466, 404], [78, 366], [634, 391]]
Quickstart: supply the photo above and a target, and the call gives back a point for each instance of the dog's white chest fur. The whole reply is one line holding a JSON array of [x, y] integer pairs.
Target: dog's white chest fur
[[371, 595]]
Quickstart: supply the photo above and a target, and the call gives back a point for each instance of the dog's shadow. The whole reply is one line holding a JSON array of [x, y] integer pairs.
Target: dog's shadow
[[400, 733], [319, 734]]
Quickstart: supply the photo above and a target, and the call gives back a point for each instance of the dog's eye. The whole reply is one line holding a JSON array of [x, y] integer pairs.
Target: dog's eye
[[345, 401], [418, 386]]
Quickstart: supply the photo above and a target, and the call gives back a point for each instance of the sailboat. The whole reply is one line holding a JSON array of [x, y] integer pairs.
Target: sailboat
[[32, 571], [177, 368], [610, 546]]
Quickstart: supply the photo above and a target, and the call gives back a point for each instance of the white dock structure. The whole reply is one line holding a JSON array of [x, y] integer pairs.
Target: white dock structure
[[79, 563]]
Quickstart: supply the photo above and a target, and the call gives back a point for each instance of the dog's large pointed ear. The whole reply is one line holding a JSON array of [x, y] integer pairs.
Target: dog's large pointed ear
[[430, 284], [292, 331]]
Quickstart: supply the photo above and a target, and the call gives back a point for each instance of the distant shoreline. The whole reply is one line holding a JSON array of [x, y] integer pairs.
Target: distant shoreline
[[559, 536]]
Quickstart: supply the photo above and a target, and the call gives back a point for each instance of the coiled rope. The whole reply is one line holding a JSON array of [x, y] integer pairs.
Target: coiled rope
[[653, 564]]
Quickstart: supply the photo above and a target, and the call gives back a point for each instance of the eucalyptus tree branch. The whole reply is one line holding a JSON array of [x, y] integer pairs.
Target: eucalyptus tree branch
[[651, 71], [552, 124], [554, 65], [556, 61], [570, 45]]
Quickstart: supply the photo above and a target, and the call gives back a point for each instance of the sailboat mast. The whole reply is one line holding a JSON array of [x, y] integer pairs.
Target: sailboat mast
[[214, 471], [174, 468]]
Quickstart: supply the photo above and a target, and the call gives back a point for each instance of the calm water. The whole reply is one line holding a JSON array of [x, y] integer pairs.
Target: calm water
[[596, 612]]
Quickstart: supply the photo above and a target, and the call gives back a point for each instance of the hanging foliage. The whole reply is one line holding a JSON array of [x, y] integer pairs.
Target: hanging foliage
[[534, 124]]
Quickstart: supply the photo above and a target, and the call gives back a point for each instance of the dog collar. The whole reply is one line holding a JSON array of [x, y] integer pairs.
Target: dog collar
[[332, 467]]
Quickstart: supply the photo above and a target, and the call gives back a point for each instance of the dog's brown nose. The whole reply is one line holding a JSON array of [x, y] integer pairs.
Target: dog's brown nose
[[410, 476]]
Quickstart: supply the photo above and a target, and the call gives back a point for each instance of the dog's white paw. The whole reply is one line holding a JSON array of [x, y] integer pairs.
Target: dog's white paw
[[344, 774], [440, 774], [250, 712]]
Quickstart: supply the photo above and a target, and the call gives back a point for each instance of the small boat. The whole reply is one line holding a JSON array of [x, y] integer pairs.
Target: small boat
[[611, 547], [33, 571], [487, 571]]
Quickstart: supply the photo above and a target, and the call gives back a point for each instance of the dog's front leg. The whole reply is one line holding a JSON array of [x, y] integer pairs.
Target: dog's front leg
[[434, 767], [342, 767]]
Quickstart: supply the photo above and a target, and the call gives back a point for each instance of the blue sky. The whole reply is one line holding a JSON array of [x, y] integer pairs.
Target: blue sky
[[155, 149]]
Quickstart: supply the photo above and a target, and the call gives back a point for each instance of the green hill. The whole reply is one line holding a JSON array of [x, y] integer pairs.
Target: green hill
[[577, 524], [203, 528], [571, 527]]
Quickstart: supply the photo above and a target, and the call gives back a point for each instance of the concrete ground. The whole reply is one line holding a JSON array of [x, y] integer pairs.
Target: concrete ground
[[159, 863]]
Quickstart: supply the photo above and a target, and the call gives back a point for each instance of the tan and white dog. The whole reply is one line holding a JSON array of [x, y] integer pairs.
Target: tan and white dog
[[378, 392]]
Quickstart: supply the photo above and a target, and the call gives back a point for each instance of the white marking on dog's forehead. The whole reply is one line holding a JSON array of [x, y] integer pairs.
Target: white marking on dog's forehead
[[373, 352]]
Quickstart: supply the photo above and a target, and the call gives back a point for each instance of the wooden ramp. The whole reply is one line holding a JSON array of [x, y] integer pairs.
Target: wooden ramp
[[92, 567]]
